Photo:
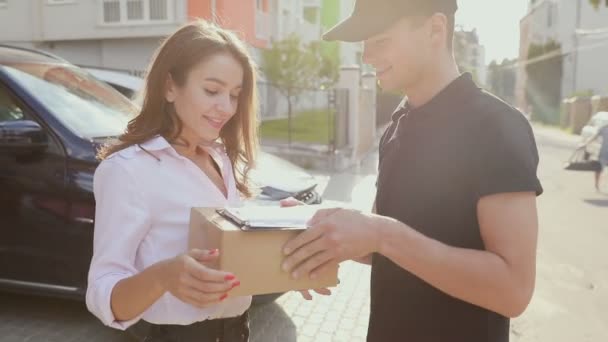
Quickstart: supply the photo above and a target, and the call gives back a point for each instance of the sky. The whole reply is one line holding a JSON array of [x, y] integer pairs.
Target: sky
[[497, 23]]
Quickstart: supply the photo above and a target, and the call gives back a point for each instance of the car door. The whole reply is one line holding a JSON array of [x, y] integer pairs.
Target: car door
[[33, 205]]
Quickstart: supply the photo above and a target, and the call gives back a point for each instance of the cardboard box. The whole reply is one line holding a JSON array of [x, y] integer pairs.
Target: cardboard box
[[254, 257]]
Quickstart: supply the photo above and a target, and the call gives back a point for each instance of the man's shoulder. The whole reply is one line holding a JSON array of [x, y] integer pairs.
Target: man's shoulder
[[489, 110], [487, 103]]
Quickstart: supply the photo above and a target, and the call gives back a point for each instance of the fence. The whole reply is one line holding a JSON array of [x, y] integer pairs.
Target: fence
[[576, 111], [319, 117]]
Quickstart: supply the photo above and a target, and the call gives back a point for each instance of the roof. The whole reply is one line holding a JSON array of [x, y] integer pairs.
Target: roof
[[13, 54]]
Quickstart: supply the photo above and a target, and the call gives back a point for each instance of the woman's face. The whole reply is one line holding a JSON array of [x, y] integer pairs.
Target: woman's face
[[208, 99]]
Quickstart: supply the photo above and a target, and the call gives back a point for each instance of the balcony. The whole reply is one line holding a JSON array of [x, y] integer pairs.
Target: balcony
[[129, 12]]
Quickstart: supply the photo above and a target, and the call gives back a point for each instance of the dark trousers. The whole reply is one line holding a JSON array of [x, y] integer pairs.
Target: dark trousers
[[218, 330]]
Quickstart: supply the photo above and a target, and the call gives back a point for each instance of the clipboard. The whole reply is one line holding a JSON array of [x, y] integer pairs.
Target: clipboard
[[269, 218]]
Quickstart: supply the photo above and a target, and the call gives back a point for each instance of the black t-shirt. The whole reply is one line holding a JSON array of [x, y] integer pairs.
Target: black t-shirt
[[436, 162]]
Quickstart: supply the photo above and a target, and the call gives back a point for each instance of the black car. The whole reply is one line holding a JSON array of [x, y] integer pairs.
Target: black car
[[53, 117]]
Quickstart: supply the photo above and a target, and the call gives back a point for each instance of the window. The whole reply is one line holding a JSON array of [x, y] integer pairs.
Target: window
[[111, 11], [159, 9], [136, 11], [261, 5], [86, 106], [9, 110]]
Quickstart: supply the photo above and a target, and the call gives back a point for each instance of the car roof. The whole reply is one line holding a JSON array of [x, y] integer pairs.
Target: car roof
[[13, 54]]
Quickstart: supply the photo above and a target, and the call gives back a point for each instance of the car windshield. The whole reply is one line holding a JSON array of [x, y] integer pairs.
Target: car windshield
[[86, 106]]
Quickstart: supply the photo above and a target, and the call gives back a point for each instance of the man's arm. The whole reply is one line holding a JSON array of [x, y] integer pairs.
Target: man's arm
[[367, 260], [500, 279]]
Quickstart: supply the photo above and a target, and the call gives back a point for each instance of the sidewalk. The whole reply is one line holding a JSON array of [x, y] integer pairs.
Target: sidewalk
[[343, 316]]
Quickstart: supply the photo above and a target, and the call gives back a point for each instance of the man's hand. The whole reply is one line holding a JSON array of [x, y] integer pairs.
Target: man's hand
[[306, 293], [335, 235], [292, 202]]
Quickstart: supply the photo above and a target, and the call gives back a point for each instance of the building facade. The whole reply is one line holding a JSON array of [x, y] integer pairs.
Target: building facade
[[581, 30]]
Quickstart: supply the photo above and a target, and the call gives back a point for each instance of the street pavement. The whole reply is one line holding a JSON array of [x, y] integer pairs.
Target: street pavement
[[570, 303]]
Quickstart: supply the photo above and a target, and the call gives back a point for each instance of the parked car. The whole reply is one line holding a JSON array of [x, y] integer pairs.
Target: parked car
[[597, 121], [53, 117], [126, 84]]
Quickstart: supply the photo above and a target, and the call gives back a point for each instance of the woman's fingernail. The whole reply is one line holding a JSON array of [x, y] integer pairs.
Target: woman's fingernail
[[224, 296], [313, 276], [295, 275], [287, 250], [285, 266], [229, 277], [214, 251], [236, 283]]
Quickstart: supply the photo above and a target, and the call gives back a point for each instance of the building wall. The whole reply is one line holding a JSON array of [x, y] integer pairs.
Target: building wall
[[334, 11], [85, 22], [522, 76], [350, 53], [587, 54], [18, 22], [131, 54], [288, 18], [200, 9], [240, 17]]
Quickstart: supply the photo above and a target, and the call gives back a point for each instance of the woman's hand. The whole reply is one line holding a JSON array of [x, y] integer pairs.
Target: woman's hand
[[187, 278]]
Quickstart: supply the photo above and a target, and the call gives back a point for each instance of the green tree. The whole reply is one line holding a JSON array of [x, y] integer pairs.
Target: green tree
[[544, 70], [293, 68], [596, 3], [501, 79]]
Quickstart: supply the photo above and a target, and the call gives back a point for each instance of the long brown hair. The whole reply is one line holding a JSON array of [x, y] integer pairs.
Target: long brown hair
[[178, 54]]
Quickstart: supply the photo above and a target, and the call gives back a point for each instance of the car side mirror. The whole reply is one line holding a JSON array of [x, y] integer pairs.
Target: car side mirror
[[20, 137]]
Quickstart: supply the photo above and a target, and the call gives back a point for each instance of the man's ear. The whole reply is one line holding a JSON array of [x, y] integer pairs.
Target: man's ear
[[438, 29]]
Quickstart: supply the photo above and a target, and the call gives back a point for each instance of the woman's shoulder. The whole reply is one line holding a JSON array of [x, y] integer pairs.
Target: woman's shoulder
[[143, 150], [126, 153]]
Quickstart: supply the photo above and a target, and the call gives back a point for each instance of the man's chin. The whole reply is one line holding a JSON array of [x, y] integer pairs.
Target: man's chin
[[388, 86]]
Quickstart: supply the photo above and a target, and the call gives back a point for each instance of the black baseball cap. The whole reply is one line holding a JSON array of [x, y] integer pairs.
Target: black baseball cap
[[371, 17]]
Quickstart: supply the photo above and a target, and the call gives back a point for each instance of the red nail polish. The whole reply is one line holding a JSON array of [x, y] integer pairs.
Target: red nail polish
[[224, 296], [236, 283], [230, 277], [214, 251]]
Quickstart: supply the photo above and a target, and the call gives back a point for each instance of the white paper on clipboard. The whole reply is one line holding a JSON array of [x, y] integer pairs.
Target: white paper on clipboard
[[267, 217]]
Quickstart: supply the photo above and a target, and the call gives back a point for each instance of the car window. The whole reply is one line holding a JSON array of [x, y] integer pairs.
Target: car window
[[9, 110], [88, 107]]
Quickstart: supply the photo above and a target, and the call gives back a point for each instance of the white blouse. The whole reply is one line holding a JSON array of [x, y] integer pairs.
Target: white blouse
[[142, 217]]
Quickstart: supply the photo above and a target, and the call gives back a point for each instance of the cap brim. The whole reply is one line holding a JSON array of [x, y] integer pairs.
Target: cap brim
[[353, 29]]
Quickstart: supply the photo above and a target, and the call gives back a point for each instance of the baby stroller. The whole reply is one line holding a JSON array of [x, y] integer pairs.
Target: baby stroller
[[581, 161]]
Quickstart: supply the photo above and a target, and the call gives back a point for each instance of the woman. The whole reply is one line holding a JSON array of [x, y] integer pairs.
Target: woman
[[191, 145]]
